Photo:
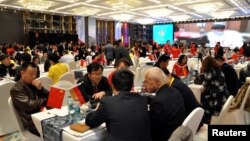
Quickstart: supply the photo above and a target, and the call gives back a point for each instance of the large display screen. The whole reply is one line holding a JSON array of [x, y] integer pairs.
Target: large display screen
[[163, 33], [229, 33]]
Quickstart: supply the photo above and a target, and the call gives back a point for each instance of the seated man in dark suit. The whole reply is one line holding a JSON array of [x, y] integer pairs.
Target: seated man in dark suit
[[188, 96], [28, 96], [167, 109], [94, 85], [125, 114]]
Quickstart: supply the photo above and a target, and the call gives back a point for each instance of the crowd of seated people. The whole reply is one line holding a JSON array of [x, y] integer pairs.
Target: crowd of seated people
[[173, 97]]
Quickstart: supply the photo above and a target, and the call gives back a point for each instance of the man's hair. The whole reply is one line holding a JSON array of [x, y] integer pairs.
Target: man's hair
[[54, 57], [219, 58], [25, 57], [94, 66], [157, 74], [25, 65], [123, 80], [3, 56]]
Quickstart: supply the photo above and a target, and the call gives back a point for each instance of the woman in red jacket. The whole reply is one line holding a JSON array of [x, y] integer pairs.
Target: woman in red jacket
[[180, 68]]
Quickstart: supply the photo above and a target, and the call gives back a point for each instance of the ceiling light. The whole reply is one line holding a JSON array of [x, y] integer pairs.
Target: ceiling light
[[145, 21], [2, 1], [223, 14], [155, 1], [179, 17], [122, 17], [158, 12], [36, 4], [85, 11], [206, 7]]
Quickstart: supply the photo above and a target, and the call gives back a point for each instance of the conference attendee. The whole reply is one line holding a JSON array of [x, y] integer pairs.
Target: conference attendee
[[56, 69], [28, 96], [125, 114], [215, 91], [167, 109], [162, 62], [66, 57], [180, 68], [188, 96], [122, 52], [231, 76], [25, 57], [244, 73], [218, 50], [6, 66], [109, 52], [93, 84], [121, 64]]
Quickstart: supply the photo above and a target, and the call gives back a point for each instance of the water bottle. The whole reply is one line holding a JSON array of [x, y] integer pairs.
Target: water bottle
[[7, 75], [71, 110], [77, 114]]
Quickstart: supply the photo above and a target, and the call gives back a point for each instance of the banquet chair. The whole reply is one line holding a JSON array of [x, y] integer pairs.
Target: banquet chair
[[6, 121], [188, 129], [223, 113], [72, 65], [193, 119], [46, 81], [25, 135], [202, 134], [67, 77]]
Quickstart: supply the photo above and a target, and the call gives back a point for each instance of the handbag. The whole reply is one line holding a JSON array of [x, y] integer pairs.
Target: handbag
[[199, 79]]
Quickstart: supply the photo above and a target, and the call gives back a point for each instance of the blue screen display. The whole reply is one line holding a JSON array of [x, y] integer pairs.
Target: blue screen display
[[162, 33]]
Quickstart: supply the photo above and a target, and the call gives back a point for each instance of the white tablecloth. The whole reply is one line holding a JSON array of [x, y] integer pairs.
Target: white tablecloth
[[197, 90], [98, 133], [240, 66]]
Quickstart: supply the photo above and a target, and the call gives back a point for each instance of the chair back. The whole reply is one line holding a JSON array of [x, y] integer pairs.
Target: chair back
[[72, 65], [67, 77], [65, 85], [193, 119], [7, 120], [46, 81], [223, 112], [24, 135]]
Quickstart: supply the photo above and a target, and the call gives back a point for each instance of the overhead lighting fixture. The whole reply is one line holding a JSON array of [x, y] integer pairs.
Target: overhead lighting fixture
[[122, 17], [145, 21], [207, 7], [163, 12], [2, 1], [155, 1], [222, 14], [240, 6], [85, 11], [36, 4], [179, 17]]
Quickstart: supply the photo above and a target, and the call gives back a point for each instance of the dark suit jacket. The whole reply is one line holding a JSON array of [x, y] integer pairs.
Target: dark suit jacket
[[3, 70], [87, 89], [167, 112], [28, 100], [190, 101], [126, 117], [231, 78], [122, 52]]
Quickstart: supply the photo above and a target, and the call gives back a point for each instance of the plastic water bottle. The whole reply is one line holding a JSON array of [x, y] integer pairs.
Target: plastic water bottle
[[71, 110], [77, 114], [7, 75]]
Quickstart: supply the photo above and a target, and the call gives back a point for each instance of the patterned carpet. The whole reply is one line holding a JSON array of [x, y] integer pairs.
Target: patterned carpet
[[16, 136]]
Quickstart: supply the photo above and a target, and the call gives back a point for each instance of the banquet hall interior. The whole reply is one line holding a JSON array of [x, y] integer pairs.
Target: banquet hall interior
[[63, 62]]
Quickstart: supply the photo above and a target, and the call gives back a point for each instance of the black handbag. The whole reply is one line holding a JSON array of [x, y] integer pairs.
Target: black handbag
[[199, 79]]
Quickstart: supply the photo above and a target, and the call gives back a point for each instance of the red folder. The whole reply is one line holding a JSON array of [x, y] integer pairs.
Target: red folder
[[56, 96]]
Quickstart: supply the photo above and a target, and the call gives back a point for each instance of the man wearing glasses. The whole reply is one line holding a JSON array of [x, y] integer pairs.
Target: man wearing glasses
[[94, 85]]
